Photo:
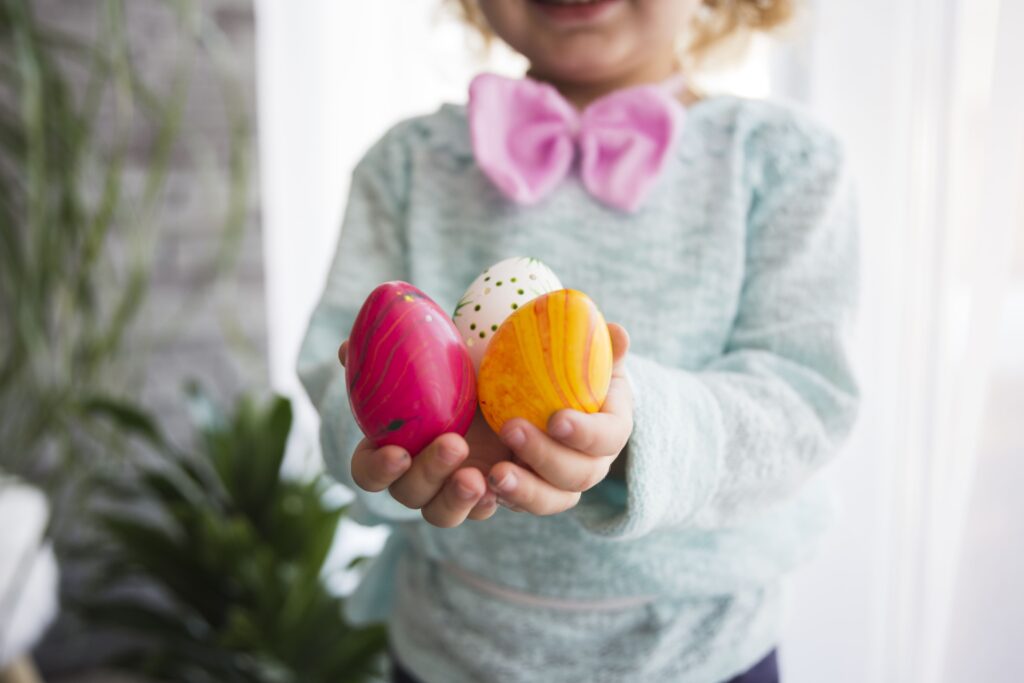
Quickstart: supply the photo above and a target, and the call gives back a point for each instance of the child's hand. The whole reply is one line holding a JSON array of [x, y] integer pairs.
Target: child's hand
[[445, 481], [553, 470]]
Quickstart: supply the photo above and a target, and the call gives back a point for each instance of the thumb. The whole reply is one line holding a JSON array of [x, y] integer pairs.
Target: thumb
[[343, 352], [620, 343]]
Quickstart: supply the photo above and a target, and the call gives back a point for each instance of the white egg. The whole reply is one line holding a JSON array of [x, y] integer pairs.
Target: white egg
[[495, 295]]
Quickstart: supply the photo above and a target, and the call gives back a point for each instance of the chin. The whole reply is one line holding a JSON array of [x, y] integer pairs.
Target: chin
[[581, 68]]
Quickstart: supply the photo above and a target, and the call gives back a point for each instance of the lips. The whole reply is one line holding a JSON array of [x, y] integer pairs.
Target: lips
[[574, 10]]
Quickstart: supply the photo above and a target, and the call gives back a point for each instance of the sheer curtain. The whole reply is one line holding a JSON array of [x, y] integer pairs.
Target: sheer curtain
[[927, 97], [924, 94]]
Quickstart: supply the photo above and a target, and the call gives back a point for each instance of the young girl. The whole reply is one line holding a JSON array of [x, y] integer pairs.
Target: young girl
[[646, 542]]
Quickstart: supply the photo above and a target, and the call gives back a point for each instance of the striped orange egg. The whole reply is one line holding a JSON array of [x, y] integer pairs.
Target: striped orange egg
[[553, 353]]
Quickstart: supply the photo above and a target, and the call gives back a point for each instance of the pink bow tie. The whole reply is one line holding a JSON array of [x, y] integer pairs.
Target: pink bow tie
[[525, 136]]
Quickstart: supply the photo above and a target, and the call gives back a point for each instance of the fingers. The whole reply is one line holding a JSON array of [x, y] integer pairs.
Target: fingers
[[485, 508], [620, 343], [575, 453], [432, 483], [598, 434], [521, 490], [559, 465], [607, 431], [429, 471], [376, 469], [412, 483], [459, 498], [551, 472]]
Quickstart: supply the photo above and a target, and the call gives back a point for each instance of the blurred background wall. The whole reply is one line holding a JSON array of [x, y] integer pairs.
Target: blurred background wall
[[204, 318], [220, 332]]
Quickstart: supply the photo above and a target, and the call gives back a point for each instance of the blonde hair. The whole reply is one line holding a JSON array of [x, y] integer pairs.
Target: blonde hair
[[720, 26]]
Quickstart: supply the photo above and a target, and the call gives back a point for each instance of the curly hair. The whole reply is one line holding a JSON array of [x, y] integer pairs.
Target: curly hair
[[718, 23]]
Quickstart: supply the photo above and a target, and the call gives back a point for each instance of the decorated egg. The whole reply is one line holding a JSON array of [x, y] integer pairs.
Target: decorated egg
[[408, 373], [495, 295], [553, 353]]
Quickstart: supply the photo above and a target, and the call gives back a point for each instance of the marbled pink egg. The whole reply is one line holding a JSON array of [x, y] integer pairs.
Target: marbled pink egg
[[409, 376]]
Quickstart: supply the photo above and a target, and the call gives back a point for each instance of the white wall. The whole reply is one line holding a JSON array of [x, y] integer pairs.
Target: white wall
[[933, 122]]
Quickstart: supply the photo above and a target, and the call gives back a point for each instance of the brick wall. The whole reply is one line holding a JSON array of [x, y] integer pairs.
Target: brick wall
[[189, 327]]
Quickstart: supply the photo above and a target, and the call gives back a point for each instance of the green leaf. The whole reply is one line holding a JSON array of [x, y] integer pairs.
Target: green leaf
[[357, 656], [131, 418], [463, 302], [239, 557], [171, 559], [357, 562]]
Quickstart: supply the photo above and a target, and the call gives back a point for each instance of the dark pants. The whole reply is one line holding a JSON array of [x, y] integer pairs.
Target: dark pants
[[765, 671]]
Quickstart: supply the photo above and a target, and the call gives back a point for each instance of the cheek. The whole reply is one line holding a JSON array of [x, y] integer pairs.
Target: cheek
[[508, 19], [665, 20]]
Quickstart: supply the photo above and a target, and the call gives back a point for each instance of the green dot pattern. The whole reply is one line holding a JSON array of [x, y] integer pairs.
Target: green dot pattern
[[478, 330]]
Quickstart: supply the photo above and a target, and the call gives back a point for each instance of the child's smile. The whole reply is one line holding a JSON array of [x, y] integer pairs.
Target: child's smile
[[589, 47], [578, 11]]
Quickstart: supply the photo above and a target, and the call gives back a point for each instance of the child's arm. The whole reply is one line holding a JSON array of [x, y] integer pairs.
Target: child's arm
[[713, 446], [743, 433]]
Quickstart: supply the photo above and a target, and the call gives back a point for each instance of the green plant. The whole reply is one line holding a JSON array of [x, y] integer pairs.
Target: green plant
[[237, 553]]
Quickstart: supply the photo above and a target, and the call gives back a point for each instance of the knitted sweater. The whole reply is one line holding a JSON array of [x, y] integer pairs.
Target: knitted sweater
[[735, 280]]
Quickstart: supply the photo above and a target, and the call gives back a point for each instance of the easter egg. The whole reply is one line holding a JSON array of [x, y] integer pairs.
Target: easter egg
[[408, 374], [553, 353], [498, 293]]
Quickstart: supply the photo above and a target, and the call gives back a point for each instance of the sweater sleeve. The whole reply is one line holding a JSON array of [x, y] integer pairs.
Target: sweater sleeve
[[371, 250], [713, 446]]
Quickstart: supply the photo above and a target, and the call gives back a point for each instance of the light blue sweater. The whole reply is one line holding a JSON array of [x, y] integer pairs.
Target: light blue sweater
[[735, 280]]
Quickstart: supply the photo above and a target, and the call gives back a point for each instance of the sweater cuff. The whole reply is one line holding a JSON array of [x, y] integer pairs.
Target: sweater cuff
[[673, 456]]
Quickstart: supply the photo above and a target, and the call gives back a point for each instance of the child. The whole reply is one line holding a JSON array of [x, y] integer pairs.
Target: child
[[646, 542]]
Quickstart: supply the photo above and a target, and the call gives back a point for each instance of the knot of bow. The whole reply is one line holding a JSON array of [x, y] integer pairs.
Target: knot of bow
[[526, 138]]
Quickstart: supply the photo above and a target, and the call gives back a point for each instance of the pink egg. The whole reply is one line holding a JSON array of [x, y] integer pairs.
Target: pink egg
[[409, 376]]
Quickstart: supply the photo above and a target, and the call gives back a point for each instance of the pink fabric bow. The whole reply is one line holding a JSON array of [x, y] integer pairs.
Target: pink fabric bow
[[525, 136]]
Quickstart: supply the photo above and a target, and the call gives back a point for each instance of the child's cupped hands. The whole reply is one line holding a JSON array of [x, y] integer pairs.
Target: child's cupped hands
[[548, 472], [445, 482], [526, 470]]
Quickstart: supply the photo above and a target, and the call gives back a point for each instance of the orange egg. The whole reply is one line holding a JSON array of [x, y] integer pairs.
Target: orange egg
[[553, 353]]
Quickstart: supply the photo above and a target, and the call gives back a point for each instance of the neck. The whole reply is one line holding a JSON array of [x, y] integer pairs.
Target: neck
[[582, 93]]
